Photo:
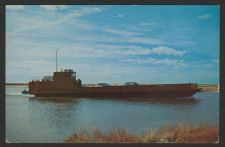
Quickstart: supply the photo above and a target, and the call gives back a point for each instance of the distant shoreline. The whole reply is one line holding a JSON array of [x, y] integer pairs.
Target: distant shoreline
[[209, 87], [16, 84]]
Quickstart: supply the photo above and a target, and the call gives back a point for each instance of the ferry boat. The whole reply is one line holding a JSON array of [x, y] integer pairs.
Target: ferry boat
[[64, 83]]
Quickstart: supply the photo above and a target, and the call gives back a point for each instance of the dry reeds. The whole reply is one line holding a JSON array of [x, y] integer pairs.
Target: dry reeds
[[182, 133], [97, 136]]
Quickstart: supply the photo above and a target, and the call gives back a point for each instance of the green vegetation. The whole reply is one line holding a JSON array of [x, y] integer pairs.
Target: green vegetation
[[181, 133]]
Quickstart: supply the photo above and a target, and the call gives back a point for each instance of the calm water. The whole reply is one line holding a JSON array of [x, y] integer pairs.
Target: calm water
[[35, 120]]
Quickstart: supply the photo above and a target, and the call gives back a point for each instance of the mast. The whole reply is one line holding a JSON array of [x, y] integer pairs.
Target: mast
[[56, 65]]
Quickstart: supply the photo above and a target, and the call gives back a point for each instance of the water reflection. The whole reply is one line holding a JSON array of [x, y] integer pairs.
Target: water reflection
[[60, 115], [54, 99], [181, 101]]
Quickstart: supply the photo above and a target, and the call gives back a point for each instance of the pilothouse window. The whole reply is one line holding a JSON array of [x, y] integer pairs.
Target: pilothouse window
[[67, 74], [73, 75]]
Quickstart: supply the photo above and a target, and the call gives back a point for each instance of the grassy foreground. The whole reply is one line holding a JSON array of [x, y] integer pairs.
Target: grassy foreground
[[181, 133]]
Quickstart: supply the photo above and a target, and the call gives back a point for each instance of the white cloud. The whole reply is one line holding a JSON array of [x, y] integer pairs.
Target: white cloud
[[170, 62], [125, 38], [53, 7], [120, 16], [167, 62], [143, 40], [129, 37], [97, 9], [140, 29], [120, 32], [86, 11], [106, 50], [112, 73], [167, 51], [78, 24], [143, 27], [73, 22], [15, 7], [147, 24], [205, 16], [30, 69], [74, 15], [122, 38], [215, 61]]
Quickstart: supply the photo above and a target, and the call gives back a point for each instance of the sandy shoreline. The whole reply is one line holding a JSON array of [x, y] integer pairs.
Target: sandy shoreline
[[16, 84], [209, 87]]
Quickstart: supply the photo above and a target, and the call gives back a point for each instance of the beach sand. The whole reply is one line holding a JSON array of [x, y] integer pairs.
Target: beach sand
[[209, 87]]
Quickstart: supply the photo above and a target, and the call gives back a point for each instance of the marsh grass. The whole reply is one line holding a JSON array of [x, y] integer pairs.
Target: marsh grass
[[181, 133]]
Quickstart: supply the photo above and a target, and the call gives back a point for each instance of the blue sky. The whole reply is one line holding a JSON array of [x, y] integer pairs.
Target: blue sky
[[114, 44]]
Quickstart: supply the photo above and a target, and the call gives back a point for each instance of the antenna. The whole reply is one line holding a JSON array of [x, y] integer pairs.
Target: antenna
[[56, 65]]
